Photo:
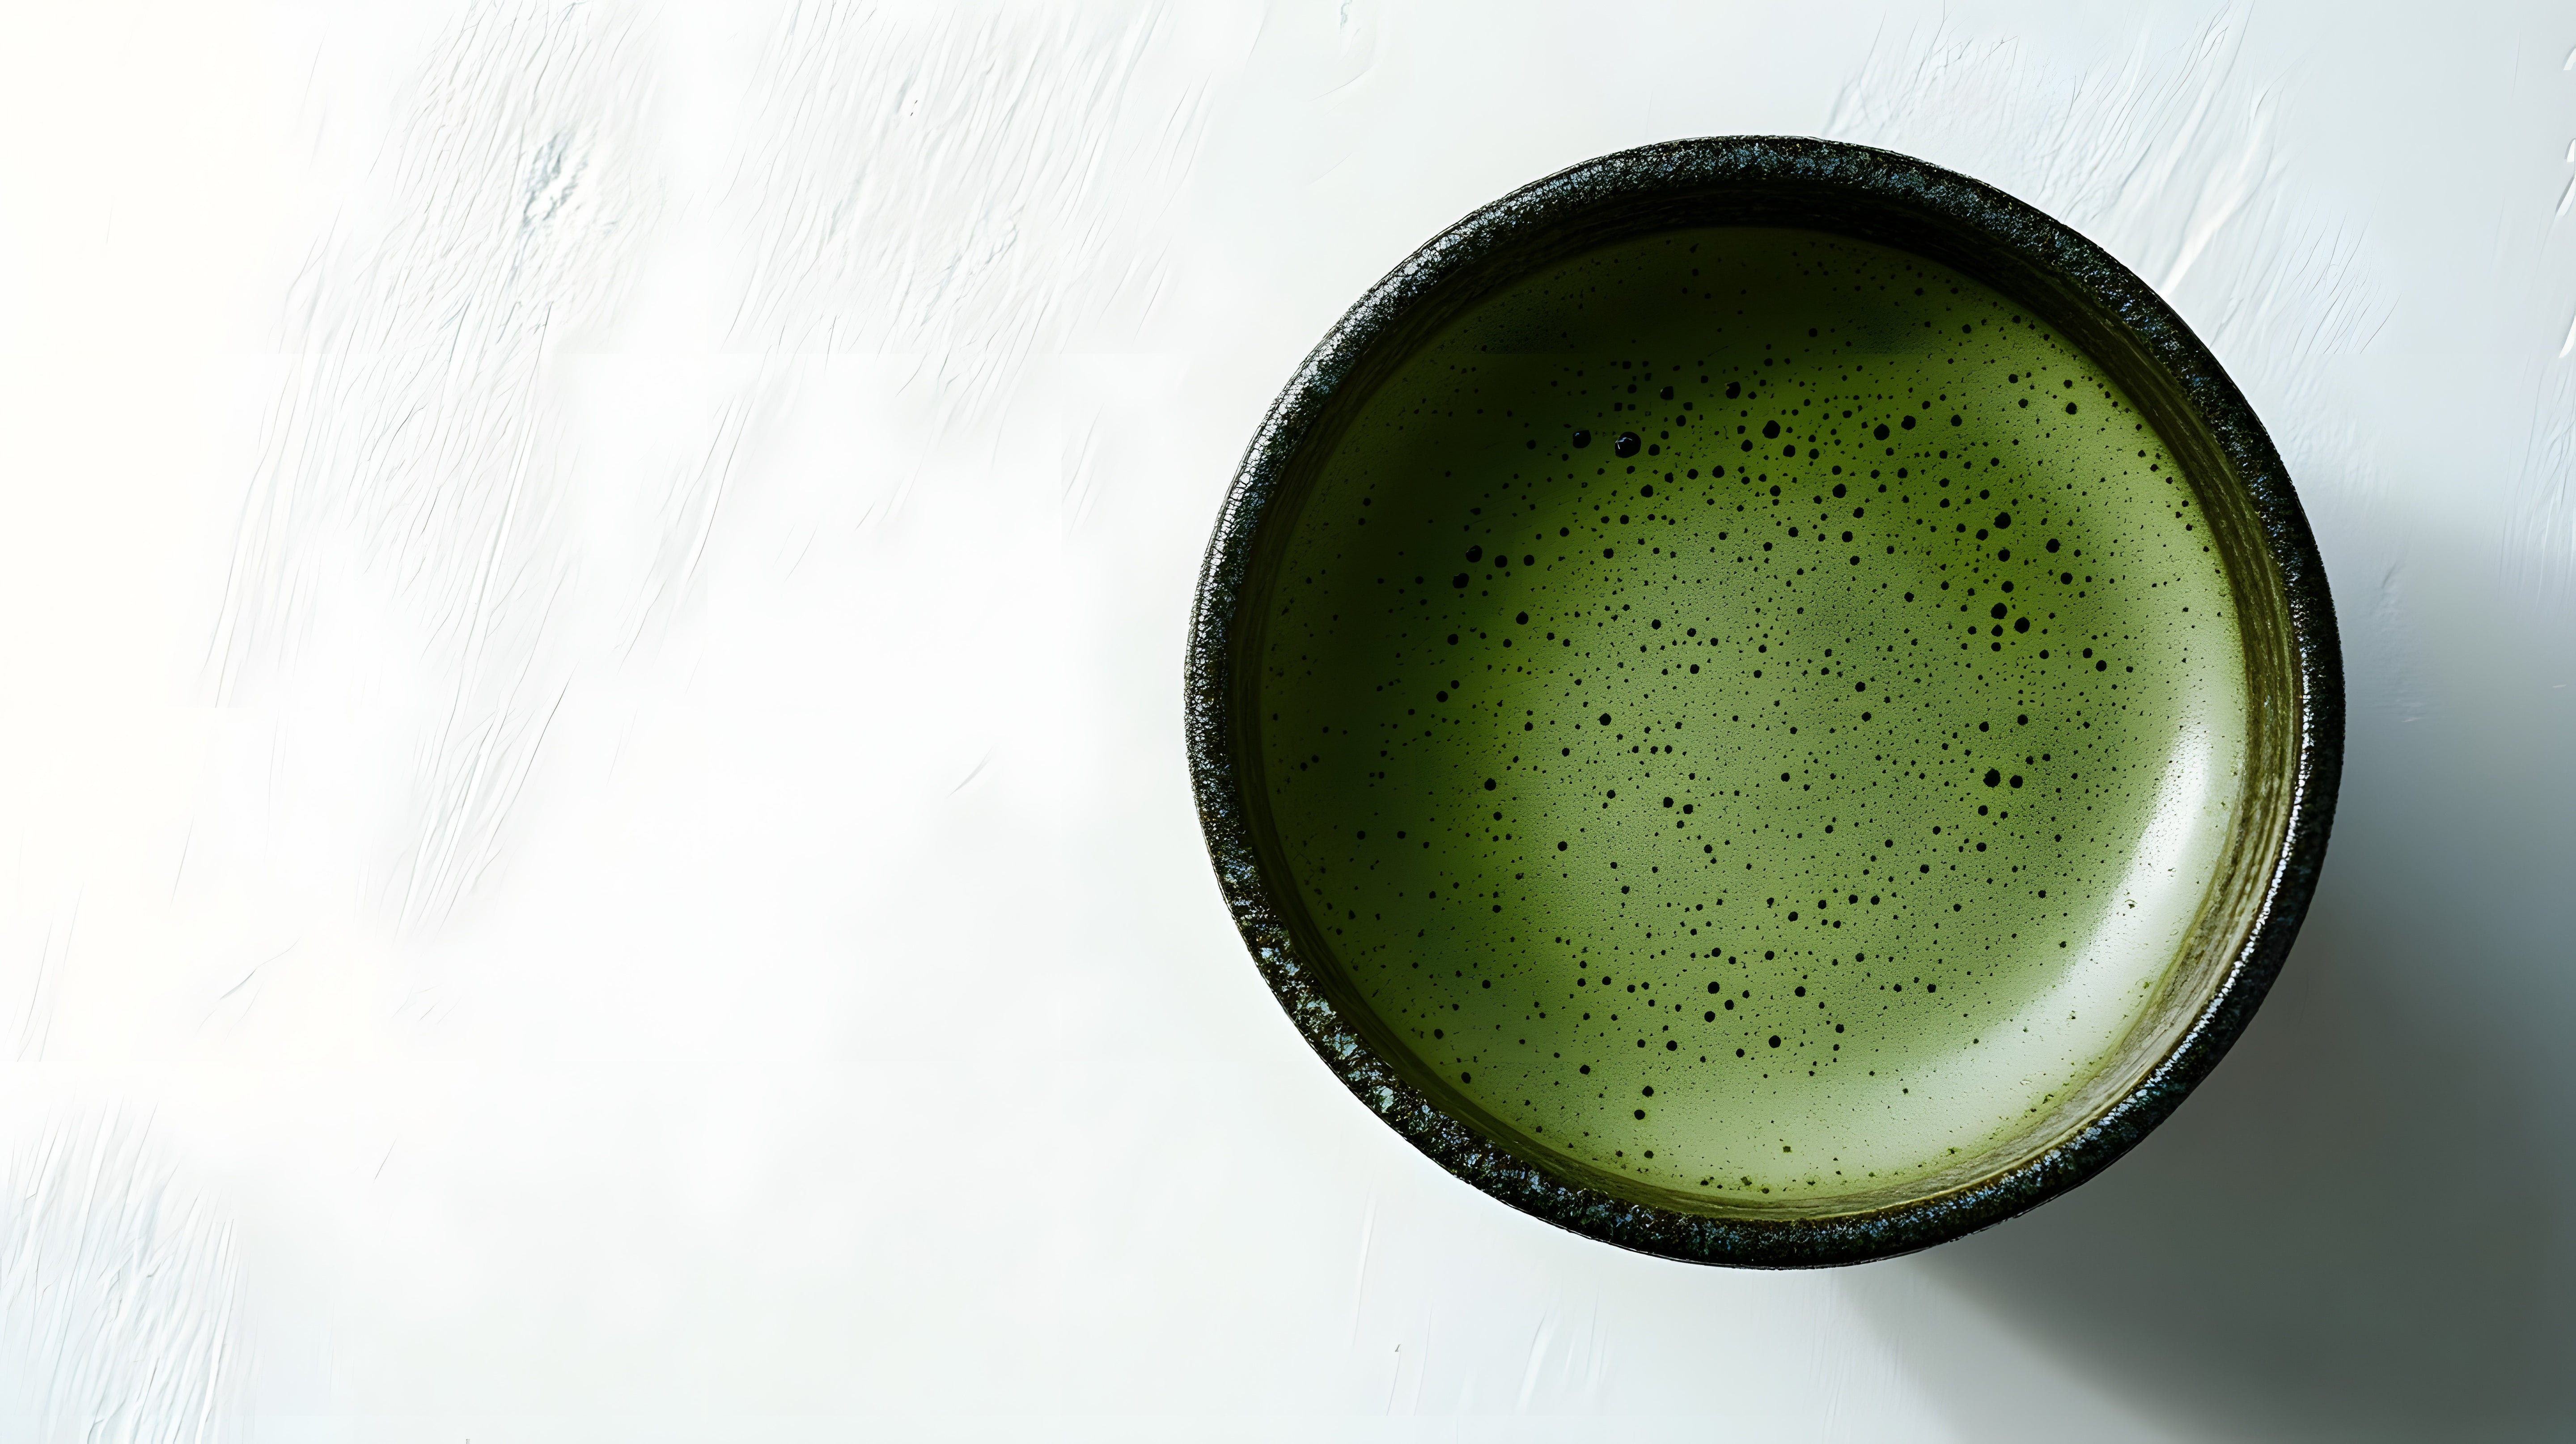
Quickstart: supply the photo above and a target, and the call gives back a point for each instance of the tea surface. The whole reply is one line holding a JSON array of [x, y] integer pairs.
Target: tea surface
[[1755, 711]]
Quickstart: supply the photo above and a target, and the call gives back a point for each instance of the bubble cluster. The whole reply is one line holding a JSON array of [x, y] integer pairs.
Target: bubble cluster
[[1754, 711]]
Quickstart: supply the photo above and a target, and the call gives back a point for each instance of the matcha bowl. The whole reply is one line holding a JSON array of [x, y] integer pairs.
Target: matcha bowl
[[1765, 703]]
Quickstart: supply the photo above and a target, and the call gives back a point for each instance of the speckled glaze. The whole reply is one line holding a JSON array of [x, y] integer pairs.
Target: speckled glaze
[[2292, 660]]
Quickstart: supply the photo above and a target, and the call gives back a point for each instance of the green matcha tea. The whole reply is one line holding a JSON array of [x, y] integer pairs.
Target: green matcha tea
[[1753, 712]]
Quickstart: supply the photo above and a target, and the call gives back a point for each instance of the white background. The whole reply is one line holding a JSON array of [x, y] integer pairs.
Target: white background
[[594, 843]]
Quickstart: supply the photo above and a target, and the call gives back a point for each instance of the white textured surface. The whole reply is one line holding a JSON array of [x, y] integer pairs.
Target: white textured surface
[[593, 840]]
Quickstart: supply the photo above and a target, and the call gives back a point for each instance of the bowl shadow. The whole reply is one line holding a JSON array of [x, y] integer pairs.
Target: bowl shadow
[[2362, 1225]]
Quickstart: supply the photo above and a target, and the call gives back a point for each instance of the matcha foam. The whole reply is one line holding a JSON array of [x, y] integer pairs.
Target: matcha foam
[[1755, 712]]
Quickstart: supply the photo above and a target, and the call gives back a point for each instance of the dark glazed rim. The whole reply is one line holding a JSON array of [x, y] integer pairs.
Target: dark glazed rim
[[1891, 199]]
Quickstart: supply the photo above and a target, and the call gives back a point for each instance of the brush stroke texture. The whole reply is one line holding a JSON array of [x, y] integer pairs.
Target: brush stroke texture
[[408, 492], [955, 181], [2539, 540], [965, 186], [118, 1293], [2166, 157]]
